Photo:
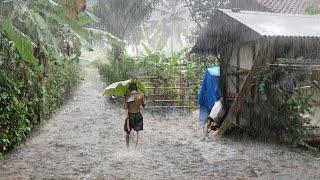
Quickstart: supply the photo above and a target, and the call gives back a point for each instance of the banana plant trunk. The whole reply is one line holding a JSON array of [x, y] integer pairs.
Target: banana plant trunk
[[117, 52]]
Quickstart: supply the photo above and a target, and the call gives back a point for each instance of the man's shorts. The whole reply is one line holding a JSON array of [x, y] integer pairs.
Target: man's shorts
[[135, 121]]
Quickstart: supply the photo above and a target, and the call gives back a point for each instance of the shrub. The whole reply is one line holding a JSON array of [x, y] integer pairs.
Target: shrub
[[113, 71], [156, 64], [278, 105], [28, 94]]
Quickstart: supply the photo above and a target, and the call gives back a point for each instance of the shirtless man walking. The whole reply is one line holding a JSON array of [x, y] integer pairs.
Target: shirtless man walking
[[134, 118]]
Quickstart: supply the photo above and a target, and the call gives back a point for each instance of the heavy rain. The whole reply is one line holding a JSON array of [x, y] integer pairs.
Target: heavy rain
[[159, 89]]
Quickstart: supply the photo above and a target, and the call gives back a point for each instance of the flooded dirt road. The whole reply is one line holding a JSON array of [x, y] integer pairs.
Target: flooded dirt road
[[85, 140]]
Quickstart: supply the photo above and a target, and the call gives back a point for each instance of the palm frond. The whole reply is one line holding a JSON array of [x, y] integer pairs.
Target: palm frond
[[108, 37], [147, 49]]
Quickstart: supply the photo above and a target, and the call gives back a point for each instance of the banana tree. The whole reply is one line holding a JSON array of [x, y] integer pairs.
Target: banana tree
[[44, 21]]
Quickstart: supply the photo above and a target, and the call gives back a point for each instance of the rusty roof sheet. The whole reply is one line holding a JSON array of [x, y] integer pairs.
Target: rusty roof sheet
[[286, 6], [278, 24]]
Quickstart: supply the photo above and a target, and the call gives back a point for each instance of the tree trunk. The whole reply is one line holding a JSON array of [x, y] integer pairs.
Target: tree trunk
[[117, 52]]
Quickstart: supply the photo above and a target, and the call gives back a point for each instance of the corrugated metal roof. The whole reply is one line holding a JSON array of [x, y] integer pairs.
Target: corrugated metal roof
[[286, 6], [278, 24]]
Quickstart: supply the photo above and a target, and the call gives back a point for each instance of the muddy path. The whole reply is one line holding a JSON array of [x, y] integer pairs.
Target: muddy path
[[85, 140]]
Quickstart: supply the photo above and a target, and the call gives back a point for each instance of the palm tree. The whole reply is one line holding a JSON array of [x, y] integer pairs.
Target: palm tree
[[122, 17], [168, 26]]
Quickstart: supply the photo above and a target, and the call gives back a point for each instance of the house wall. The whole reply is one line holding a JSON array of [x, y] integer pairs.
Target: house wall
[[246, 61], [316, 116], [234, 56], [245, 54], [231, 79], [246, 57]]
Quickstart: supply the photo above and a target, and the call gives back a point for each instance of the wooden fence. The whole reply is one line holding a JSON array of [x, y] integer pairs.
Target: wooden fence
[[177, 92]]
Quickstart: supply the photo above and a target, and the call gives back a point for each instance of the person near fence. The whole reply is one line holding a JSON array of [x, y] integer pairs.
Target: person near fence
[[134, 118], [208, 95], [215, 118]]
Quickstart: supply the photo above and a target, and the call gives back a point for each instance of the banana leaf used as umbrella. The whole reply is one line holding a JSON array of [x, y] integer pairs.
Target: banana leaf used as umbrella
[[122, 88]]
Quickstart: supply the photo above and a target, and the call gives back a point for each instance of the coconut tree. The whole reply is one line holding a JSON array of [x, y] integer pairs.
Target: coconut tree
[[168, 26], [121, 17]]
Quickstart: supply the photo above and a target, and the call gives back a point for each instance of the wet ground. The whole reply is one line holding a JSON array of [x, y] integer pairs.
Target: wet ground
[[85, 140]]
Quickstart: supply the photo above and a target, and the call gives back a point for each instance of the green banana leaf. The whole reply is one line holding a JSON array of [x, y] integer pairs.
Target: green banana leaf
[[122, 88]]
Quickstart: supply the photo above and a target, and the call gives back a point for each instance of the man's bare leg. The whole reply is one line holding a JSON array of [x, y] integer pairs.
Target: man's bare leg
[[137, 139], [127, 139], [205, 131]]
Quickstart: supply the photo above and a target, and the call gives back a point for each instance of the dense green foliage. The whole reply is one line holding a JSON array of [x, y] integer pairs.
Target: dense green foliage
[[281, 105], [314, 8], [26, 95], [112, 71], [151, 64], [35, 79], [158, 65]]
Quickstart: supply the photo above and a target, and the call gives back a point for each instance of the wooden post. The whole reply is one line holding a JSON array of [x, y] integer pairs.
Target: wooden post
[[238, 77]]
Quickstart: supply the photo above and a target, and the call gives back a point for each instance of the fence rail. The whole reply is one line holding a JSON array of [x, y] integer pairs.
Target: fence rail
[[171, 93]]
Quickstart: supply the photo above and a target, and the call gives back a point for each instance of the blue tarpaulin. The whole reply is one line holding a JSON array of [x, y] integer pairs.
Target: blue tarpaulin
[[209, 92]]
